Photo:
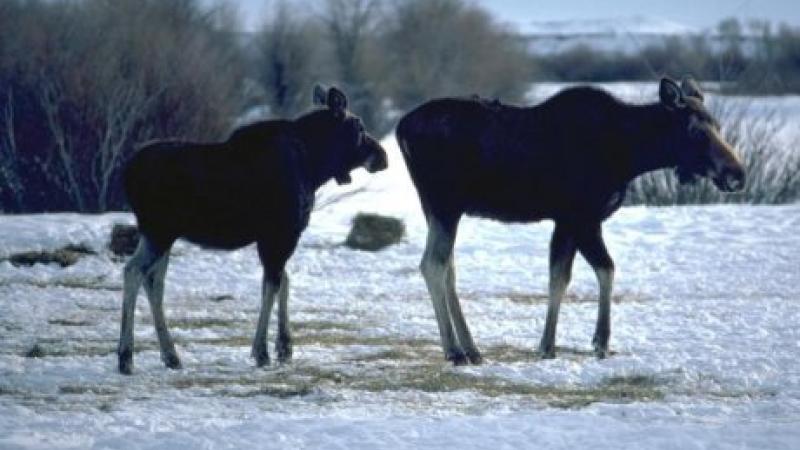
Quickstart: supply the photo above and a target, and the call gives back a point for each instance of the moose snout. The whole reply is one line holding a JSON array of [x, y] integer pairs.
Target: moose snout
[[727, 171], [731, 179], [735, 179], [377, 159]]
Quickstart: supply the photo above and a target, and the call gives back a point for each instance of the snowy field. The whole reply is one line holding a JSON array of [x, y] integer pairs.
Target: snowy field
[[705, 334]]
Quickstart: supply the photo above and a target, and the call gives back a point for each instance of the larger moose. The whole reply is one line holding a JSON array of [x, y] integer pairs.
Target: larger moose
[[568, 159], [258, 186]]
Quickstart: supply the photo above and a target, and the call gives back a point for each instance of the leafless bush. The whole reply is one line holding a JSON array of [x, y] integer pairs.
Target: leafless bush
[[358, 62], [336, 44], [82, 82], [773, 170], [451, 47], [288, 60]]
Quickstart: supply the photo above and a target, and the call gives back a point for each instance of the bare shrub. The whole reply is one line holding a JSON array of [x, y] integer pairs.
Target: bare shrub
[[288, 60], [82, 82], [451, 47], [352, 31]]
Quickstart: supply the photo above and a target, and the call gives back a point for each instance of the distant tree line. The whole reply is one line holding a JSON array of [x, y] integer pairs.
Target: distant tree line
[[753, 59], [388, 55]]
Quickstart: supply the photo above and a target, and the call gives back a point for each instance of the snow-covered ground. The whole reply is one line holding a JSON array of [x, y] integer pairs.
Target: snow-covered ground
[[704, 329]]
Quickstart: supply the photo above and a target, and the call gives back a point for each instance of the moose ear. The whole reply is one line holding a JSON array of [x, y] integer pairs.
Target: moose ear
[[690, 88], [320, 95], [337, 102], [671, 94]]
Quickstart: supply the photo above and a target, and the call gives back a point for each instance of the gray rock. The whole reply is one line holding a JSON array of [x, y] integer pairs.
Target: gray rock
[[374, 232], [124, 239]]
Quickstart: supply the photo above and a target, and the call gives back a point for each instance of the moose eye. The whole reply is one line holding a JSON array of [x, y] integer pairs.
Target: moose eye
[[695, 126], [360, 131]]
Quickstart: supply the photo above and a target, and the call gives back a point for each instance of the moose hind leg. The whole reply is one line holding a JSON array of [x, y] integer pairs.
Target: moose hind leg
[[438, 250], [283, 342], [562, 254], [459, 323], [594, 251], [140, 263], [154, 286]]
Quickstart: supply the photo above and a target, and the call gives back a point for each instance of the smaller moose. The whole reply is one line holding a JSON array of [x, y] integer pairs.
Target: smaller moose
[[258, 186]]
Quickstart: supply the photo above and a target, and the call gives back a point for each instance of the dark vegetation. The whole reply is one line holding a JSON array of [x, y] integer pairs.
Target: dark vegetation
[[83, 82], [388, 56], [756, 58], [374, 232], [64, 257]]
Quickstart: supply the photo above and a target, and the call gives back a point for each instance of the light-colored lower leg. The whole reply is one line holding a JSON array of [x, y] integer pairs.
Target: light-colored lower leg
[[593, 248], [558, 285], [562, 254], [141, 261], [283, 342], [132, 281], [459, 323], [259, 350], [154, 287], [434, 269], [605, 280]]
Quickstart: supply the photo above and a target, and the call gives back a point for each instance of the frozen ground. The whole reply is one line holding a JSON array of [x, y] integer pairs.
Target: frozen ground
[[704, 328]]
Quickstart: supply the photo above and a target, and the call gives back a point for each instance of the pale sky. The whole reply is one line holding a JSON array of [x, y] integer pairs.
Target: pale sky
[[700, 14], [695, 13]]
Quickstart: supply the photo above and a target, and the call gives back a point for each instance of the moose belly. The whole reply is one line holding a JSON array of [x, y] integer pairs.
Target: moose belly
[[508, 202], [220, 237]]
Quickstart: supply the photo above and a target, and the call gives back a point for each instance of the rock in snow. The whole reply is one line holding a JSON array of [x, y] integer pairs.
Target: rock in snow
[[124, 239], [374, 232]]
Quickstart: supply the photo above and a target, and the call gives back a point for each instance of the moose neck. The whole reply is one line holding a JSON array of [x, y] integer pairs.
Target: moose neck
[[649, 131], [314, 133]]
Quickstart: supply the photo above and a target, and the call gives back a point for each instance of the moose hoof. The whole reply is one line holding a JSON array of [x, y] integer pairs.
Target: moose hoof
[[547, 352], [457, 357], [475, 357], [600, 343], [601, 352], [284, 350], [172, 361], [262, 357], [126, 362]]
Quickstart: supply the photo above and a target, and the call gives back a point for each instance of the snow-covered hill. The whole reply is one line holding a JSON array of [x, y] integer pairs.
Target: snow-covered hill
[[640, 25]]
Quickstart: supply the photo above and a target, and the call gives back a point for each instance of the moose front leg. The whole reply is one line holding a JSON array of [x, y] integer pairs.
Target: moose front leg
[[562, 254], [269, 288], [593, 248], [283, 342]]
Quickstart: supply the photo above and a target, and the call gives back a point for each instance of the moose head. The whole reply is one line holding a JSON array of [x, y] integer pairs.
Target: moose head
[[701, 149], [350, 146]]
